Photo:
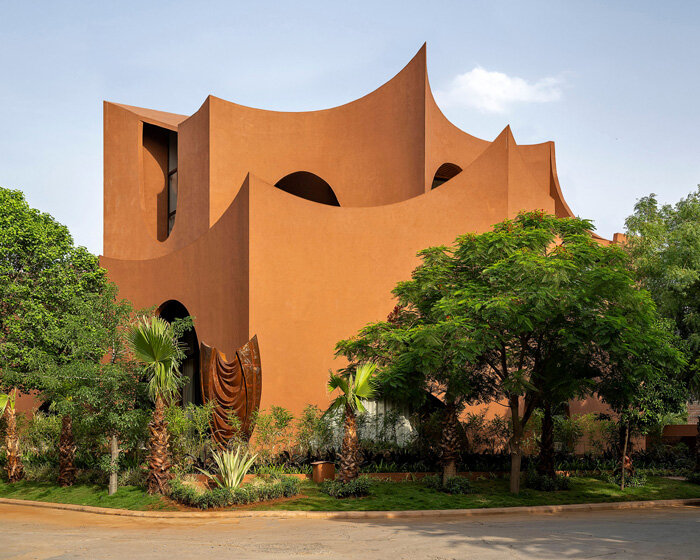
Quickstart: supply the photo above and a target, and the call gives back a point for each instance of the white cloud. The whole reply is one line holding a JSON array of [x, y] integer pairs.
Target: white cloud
[[495, 92]]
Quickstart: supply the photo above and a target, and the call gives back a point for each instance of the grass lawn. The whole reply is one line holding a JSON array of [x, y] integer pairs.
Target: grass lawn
[[488, 493], [384, 496], [127, 497]]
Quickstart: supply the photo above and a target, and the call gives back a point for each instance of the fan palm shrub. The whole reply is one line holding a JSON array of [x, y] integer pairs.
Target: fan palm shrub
[[14, 468], [232, 467], [153, 343], [356, 388]]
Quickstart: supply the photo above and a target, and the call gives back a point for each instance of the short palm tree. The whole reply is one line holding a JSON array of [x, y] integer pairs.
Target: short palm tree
[[356, 388], [153, 342], [15, 469]]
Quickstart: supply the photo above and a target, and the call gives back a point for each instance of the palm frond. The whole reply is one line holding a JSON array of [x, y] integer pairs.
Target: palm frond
[[4, 402], [153, 342], [338, 382], [355, 388]]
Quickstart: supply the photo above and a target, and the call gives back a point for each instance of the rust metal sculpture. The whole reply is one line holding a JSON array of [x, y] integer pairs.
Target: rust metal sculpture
[[235, 387]]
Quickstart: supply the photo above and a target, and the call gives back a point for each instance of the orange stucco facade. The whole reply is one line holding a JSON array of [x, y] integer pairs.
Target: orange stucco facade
[[246, 257]]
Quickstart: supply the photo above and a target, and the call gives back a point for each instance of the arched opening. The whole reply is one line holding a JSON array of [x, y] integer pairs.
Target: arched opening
[[192, 391], [444, 173], [308, 186]]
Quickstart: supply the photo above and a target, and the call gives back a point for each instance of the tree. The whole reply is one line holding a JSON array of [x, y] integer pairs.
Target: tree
[[642, 380], [539, 291], [154, 343], [45, 287], [49, 292], [503, 314], [15, 470], [664, 242], [355, 388]]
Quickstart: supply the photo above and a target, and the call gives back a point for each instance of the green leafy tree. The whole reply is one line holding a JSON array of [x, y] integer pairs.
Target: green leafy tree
[[356, 387], [539, 290], [664, 241], [500, 313], [47, 285], [154, 342], [642, 381], [51, 294]]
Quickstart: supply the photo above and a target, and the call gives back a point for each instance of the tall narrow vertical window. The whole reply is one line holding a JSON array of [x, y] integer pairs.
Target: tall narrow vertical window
[[172, 179]]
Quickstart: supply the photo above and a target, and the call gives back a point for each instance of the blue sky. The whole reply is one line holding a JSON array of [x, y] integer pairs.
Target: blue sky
[[615, 84]]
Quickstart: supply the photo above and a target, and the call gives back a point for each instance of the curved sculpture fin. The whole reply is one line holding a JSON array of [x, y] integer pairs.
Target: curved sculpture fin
[[234, 386]]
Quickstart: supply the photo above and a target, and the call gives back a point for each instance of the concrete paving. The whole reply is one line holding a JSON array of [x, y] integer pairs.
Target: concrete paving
[[32, 533]]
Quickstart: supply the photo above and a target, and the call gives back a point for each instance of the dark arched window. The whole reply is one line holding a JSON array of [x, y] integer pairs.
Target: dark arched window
[[444, 173], [159, 177], [308, 186], [192, 391]]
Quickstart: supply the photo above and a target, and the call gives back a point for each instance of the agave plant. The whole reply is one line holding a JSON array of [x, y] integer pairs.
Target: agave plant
[[232, 467], [355, 389], [153, 342], [15, 469]]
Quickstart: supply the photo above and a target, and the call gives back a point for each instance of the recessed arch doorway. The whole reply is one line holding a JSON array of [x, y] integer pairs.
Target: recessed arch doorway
[[192, 391]]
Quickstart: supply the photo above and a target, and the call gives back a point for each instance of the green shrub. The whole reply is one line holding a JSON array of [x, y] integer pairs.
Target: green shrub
[[190, 435], [545, 483], [694, 477], [133, 476], [40, 472], [272, 489], [272, 433], [637, 480], [314, 431], [453, 484], [353, 489]]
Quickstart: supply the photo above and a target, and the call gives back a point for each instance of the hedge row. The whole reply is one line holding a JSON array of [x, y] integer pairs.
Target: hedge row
[[352, 489], [282, 487]]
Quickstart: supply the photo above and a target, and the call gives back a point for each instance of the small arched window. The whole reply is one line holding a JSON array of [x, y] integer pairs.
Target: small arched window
[[309, 186], [444, 173]]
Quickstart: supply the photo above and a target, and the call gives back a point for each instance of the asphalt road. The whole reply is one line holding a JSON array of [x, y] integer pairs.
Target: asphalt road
[[28, 533]]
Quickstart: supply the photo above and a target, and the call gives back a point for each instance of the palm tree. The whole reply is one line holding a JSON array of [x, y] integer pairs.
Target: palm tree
[[153, 342], [66, 452], [356, 388], [15, 469]]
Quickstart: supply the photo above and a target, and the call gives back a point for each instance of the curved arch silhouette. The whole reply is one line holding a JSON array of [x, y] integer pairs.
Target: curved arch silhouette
[[444, 173], [192, 391], [309, 186]]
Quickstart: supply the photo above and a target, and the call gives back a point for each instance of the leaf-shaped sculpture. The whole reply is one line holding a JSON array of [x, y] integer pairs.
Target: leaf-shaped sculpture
[[234, 386]]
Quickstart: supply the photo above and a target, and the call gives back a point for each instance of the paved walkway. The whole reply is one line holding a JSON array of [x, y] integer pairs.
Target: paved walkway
[[29, 533]]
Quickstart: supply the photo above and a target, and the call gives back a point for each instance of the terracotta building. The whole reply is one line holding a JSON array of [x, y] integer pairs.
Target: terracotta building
[[296, 226]]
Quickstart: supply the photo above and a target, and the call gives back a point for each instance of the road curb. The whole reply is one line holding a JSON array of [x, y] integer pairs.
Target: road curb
[[237, 514]]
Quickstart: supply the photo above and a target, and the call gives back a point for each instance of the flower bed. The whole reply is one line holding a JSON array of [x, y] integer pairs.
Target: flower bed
[[257, 491]]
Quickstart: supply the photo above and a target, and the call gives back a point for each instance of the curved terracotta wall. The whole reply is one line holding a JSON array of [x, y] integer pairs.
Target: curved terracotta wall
[[247, 258]]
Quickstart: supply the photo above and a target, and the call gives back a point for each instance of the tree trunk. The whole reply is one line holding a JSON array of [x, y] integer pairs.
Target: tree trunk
[[545, 463], [697, 447], [623, 463], [159, 460], [349, 453], [113, 465], [15, 469], [66, 453], [449, 446], [516, 452]]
